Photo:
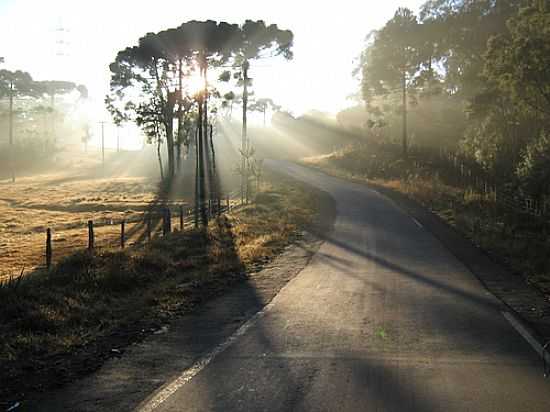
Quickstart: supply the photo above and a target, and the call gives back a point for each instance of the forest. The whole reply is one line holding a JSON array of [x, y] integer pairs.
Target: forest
[[466, 76]]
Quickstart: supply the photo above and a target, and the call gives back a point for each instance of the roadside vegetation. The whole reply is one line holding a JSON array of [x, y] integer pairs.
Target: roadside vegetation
[[58, 324]]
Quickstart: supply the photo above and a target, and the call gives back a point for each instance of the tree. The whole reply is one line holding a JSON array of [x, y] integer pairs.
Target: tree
[[140, 91], [52, 88], [519, 61], [486, 58], [258, 41], [393, 61], [517, 68], [156, 70], [460, 29], [263, 104], [21, 84], [229, 99]]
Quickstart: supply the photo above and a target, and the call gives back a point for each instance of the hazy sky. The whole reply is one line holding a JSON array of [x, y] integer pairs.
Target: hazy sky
[[328, 37]]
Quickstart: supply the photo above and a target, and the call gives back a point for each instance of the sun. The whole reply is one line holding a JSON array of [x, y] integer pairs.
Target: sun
[[194, 84]]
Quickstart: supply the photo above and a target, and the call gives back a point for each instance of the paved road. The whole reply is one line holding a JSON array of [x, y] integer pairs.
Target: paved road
[[384, 318]]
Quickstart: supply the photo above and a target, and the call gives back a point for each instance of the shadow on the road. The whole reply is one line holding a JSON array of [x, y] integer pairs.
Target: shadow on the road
[[344, 265]]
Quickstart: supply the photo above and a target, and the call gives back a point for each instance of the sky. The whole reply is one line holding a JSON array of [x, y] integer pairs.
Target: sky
[[76, 40]]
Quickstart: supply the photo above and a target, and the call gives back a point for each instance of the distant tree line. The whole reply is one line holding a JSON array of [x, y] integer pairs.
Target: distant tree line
[[30, 119], [470, 75]]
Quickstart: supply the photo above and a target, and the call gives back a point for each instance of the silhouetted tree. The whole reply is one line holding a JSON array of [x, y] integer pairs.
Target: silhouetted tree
[[258, 41], [21, 84], [262, 105]]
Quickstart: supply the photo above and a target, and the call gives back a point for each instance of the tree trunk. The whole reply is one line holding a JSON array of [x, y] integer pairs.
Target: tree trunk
[[197, 183], [200, 163], [405, 143], [170, 149], [169, 125], [159, 156], [180, 117], [209, 185], [168, 112], [178, 155]]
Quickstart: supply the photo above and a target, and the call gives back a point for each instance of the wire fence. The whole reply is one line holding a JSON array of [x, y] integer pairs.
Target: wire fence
[[41, 250], [467, 174]]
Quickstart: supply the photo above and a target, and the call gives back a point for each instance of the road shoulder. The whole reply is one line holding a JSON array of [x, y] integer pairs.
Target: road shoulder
[[524, 300]]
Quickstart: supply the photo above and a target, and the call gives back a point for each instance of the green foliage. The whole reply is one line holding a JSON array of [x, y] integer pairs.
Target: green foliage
[[518, 61], [478, 78], [392, 55], [533, 170]]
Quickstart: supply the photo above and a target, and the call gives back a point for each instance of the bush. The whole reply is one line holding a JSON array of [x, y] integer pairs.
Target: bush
[[533, 171]]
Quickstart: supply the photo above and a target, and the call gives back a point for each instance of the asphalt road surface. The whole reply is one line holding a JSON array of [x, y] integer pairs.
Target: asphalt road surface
[[384, 318]]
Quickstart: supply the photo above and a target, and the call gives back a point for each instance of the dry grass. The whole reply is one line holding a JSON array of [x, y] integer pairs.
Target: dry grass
[[65, 202]]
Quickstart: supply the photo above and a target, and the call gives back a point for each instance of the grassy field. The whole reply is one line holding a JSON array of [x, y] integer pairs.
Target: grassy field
[[64, 201], [55, 324], [515, 239]]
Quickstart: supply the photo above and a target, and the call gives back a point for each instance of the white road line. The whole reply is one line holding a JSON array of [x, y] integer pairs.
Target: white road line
[[417, 222], [170, 388], [523, 331]]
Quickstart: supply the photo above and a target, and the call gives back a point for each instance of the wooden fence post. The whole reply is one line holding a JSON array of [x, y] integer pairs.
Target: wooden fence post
[[90, 235], [122, 224], [148, 219], [48, 248], [228, 205], [181, 218], [166, 222]]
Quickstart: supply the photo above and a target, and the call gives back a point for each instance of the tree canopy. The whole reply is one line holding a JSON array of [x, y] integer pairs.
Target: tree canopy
[[486, 63]]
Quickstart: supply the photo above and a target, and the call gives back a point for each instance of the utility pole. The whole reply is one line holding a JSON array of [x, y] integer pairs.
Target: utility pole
[[12, 160], [118, 138], [54, 137], [102, 144]]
